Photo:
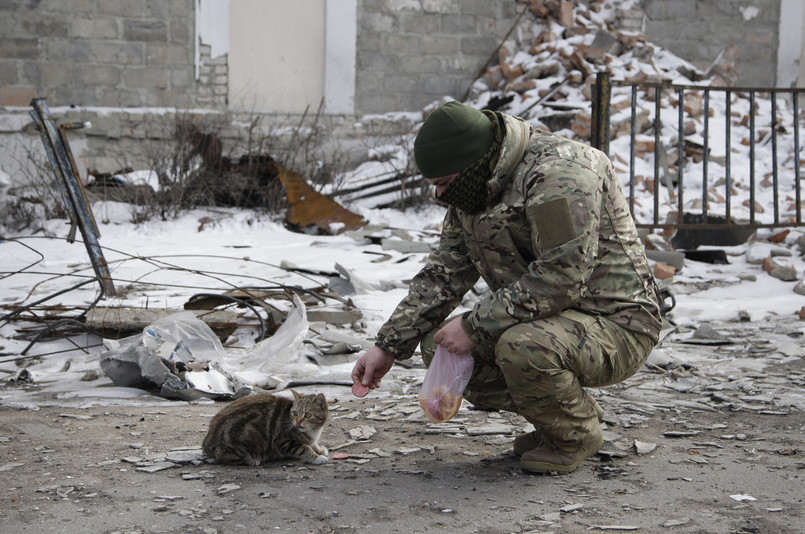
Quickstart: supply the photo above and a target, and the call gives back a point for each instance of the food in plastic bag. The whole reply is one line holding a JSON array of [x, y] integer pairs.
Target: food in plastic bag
[[445, 381]]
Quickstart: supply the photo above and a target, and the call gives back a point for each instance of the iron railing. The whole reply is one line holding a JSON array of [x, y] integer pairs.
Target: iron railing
[[756, 111]]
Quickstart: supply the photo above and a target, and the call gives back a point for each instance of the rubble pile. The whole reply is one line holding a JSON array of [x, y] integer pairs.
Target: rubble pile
[[546, 72]]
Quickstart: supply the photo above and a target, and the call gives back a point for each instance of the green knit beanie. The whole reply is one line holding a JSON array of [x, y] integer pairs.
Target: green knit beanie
[[454, 137]]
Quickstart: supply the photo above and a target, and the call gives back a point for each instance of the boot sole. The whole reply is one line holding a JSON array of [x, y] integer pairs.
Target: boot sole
[[547, 467]]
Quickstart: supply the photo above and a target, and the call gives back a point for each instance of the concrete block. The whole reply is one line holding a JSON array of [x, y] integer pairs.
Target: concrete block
[[181, 77], [180, 32], [417, 23], [400, 83], [182, 8], [16, 96], [780, 268], [478, 46], [460, 24], [145, 30], [157, 10], [403, 5], [421, 65], [440, 46], [377, 23], [36, 25], [443, 7], [98, 75], [8, 72], [682, 9], [119, 53], [379, 62], [163, 54], [51, 74], [19, 48], [121, 8], [93, 28], [479, 7], [69, 50], [146, 77], [444, 85], [399, 44]]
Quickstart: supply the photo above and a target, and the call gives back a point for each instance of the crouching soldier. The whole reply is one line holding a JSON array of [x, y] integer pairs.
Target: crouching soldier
[[573, 303]]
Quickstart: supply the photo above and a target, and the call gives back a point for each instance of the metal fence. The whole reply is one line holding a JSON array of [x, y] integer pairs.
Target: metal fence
[[674, 136]]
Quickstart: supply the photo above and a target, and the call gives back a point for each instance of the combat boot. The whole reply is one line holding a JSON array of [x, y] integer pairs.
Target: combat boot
[[527, 442], [545, 459], [532, 440]]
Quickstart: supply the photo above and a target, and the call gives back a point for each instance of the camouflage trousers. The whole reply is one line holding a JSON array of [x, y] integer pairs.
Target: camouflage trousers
[[540, 369]]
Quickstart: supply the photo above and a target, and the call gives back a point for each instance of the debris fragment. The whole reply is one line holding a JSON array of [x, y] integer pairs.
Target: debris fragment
[[642, 447], [680, 433], [226, 488], [10, 466], [362, 432], [156, 467], [405, 451], [571, 508]]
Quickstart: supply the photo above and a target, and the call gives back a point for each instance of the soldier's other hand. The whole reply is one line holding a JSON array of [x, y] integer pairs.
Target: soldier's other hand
[[453, 338]]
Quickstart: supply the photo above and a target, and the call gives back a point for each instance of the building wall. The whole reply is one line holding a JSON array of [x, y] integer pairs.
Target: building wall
[[134, 61], [141, 53], [112, 53], [698, 30], [412, 52]]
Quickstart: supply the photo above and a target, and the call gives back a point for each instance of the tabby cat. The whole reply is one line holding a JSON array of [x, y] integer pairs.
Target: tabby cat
[[262, 427]]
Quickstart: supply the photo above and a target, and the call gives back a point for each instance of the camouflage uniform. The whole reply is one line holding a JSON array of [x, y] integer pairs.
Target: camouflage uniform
[[573, 300]]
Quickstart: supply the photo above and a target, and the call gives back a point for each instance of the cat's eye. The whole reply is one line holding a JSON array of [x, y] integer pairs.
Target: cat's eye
[[307, 416]]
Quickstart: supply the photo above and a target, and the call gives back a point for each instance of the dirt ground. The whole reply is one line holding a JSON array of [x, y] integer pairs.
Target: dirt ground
[[673, 462]]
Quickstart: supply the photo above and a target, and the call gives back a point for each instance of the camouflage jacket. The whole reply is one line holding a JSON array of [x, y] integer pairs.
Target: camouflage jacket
[[556, 234]]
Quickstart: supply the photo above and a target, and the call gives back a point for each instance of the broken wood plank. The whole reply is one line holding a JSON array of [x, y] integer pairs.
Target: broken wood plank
[[117, 322]]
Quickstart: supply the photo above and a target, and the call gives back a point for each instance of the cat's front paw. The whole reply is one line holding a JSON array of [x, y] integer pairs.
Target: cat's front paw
[[321, 459], [323, 451]]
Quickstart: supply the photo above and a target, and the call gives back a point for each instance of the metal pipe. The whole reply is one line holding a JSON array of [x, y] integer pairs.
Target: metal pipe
[[797, 192], [752, 157], [657, 147], [706, 148], [775, 192], [632, 135], [693, 87], [680, 151], [599, 136], [62, 168], [728, 150]]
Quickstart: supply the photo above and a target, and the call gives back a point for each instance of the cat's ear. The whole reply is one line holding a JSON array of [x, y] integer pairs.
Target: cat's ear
[[320, 400], [297, 395]]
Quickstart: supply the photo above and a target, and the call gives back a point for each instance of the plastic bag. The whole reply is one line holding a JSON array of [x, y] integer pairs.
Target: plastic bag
[[445, 381], [178, 355]]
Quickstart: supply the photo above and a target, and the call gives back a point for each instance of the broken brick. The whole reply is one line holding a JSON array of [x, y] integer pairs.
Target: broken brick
[[779, 237], [663, 271], [522, 87]]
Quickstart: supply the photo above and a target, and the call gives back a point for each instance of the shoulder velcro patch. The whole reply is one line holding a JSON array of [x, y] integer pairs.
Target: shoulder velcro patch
[[554, 223]]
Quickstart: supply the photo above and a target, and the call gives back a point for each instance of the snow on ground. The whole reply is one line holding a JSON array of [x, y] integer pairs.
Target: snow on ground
[[161, 264]]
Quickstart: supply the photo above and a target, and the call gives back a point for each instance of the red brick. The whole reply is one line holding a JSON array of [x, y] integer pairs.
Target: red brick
[[663, 271]]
